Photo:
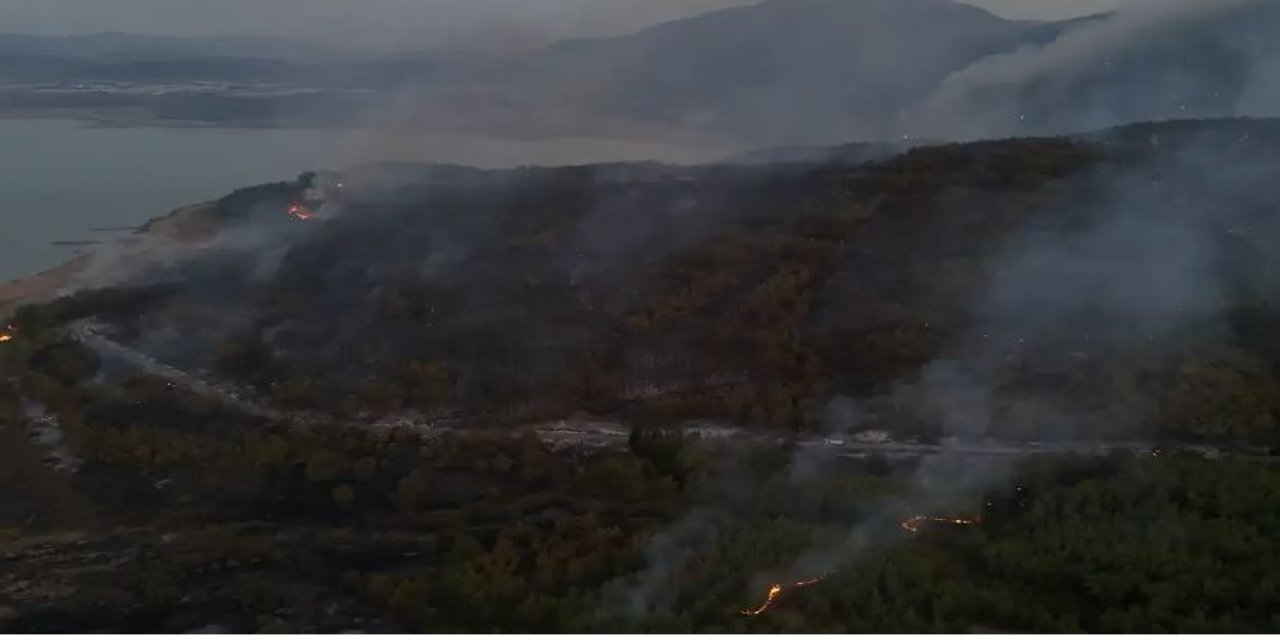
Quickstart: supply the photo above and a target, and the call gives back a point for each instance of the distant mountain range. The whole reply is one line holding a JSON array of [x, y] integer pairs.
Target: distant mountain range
[[124, 47], [780, 73], [789, 71], [815, 71]]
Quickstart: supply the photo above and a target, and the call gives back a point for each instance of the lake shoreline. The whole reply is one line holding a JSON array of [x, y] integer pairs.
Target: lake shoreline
[[184, 225], [70, 176]]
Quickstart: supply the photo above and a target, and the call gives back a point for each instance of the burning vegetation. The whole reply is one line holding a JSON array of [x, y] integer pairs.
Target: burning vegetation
[[911, 525], [8, 334], [301, 211], [769, 298], [318, 188], [776, 591], [730, 307]]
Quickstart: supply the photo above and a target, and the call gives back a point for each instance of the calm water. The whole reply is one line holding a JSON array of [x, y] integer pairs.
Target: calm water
[[61, 179]]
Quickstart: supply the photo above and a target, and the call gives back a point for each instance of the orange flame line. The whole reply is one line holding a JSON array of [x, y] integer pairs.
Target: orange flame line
[[910, 525], [776, 591]]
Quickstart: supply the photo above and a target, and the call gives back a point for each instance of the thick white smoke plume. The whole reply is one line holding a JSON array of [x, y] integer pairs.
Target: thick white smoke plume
[[1148, 62]]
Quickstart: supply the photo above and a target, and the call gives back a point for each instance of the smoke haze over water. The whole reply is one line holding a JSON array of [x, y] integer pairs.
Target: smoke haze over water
[[408, 24]]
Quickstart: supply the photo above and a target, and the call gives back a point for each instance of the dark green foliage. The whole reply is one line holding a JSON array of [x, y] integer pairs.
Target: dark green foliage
[[259, 527], [1160, 545], [752, 294], [68, 362]]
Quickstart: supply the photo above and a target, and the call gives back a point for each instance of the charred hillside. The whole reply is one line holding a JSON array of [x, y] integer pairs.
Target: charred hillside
[[1113, 284]]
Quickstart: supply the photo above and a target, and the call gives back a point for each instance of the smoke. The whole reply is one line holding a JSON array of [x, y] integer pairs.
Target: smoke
[[651, 590], [220, 263], [412, 125], [941, 485], [1140, 267], [172, 245], [1137, 271], [1134, 264], [696, 89], [704, 87], [690, 91], [1077, 49], [1174, 59], [837, 421]]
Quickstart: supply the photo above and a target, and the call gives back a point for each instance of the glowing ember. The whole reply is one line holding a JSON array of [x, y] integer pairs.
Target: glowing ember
[[913, 524], [776, 591], [300, 212]]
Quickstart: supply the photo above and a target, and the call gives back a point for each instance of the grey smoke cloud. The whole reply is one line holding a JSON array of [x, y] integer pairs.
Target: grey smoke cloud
[[1144, 268], [1151, 60]]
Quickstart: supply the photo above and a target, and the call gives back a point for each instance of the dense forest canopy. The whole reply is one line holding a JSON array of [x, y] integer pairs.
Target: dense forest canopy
[[1114, 285], [186, 518]]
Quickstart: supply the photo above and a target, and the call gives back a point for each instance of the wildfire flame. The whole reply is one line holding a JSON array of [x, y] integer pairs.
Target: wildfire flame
[[8, 334], [776, 591], [910, 525], [300, 212], [913, 524]]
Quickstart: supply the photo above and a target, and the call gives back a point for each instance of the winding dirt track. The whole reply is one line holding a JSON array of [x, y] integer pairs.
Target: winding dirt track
[[604, 434]]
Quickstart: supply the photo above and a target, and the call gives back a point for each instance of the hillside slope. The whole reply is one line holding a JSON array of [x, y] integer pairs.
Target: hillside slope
[[1117, 284], [858, 63]]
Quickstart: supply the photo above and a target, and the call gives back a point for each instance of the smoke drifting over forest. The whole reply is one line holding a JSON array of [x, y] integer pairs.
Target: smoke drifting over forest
[[1111, 280], [871, 70], [566, 257], [1145, 266], [1183, 59]]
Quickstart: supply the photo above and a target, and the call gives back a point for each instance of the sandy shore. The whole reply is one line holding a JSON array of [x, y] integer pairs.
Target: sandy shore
[[41, 286], [188, 225], [195, 223]]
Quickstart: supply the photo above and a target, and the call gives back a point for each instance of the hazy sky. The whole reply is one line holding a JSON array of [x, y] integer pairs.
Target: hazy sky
[[406, 23]]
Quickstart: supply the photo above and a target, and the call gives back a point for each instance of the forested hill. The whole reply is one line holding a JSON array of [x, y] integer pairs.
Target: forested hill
[[1116, 284]]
